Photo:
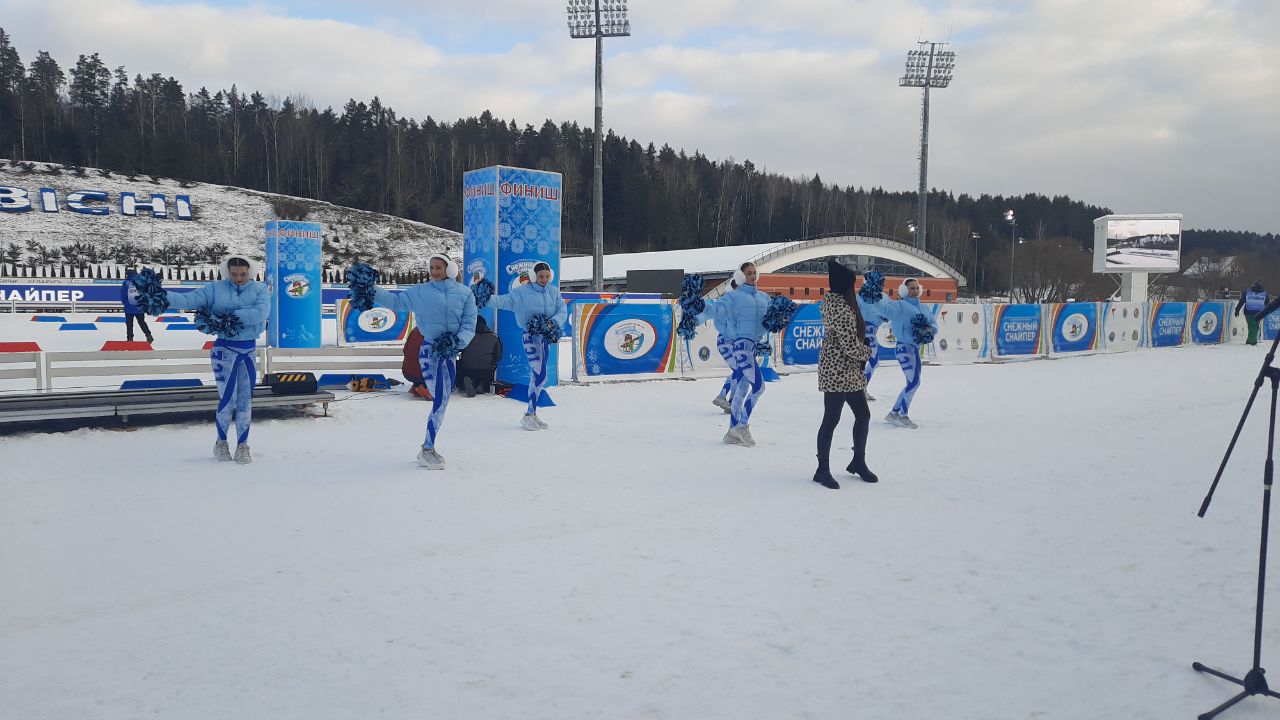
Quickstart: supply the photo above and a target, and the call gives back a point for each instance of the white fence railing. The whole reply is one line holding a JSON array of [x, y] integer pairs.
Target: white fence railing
[[43, 368]]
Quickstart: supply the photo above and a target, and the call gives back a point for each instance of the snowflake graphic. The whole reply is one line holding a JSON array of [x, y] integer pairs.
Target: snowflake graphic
[[595, 370], [593, 355]]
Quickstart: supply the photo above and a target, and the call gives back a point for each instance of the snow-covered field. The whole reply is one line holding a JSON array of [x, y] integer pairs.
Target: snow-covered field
[[1032, 551], [1145, 258]]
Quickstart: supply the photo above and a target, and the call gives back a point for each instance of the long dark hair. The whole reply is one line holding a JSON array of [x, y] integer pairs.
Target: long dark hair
[[851, 297]]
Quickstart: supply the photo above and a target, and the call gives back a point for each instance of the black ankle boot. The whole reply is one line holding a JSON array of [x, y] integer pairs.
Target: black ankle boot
[[823, 477], [859, 467]]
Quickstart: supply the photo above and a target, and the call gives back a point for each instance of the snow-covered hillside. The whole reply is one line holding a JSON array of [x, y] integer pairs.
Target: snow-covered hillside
[[229, 216]]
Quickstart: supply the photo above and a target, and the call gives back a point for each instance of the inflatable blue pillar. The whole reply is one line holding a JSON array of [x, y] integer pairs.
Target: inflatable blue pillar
[[293, 275], [510, 222]]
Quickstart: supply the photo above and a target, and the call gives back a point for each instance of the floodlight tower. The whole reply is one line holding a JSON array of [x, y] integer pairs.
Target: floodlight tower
[[598, 19], [929, 67]]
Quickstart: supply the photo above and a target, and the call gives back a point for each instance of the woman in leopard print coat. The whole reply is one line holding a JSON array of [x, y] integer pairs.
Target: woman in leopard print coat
[[841, 374]]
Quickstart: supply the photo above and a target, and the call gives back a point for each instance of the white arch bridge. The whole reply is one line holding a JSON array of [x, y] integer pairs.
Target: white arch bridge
[[768, 257]]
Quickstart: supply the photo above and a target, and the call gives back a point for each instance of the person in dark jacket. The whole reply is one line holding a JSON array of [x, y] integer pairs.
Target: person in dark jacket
[[479, 360], [1252, 301], [842, 376], [476, 366], [132, 313]]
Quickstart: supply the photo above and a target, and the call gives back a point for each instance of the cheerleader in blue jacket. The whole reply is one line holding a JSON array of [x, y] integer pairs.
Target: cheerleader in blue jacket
[[235, 309], [723, 400], [908, 319], [445, 311], [540, 312], [742, 313], [870, 301]]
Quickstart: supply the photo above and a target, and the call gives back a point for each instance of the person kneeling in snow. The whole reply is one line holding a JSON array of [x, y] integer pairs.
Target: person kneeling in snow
[[235, 309]]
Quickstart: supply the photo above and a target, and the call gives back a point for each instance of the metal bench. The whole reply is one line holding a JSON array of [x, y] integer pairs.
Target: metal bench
[[37, 407]]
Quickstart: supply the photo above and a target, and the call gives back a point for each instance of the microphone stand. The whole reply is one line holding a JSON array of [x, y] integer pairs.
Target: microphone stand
[[1255, 681]]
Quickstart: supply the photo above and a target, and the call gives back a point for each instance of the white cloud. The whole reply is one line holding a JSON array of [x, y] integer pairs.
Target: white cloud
[[1148, 105]]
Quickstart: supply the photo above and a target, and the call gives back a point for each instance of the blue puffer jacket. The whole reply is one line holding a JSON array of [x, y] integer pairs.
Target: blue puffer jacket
[[532, 299], [741, 311], [438, 307], [900, 313], [873, 313], [129, 298], [250, 302]]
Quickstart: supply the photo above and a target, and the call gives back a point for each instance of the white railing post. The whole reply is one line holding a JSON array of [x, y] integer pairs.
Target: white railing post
[[42, 372]]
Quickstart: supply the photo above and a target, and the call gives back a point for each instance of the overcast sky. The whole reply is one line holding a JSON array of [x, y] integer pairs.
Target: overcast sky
[[1138, 105]]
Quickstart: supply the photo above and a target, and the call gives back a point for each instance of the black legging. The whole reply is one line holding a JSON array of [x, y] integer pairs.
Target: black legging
[[833, 405], [142, 323]]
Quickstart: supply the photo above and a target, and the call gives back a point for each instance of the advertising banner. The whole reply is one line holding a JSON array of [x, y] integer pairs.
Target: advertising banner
[[377, 325], [1270, 326], [700, 356], [626, 339], [962, 335], [1123, 328], [293, 274], [1075, 328], [802, 340], [1016, 331], [1167, 324], [1209, 325], [511, 221]]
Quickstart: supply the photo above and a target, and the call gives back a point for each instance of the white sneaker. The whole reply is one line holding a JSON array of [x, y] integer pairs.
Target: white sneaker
[[528, 422], [221, 451], [731, 437], [242, 454], [744, 434], [430, 459], [723, 403], [541, 425], [893, 419], [906, 422]]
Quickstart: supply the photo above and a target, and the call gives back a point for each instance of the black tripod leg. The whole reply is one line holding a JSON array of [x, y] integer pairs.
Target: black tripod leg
[[1205, 669], [1214, 712]]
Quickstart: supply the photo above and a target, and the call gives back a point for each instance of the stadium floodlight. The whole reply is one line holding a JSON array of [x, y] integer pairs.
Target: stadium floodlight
[[1013, 243], [926, 68], [598, 19]]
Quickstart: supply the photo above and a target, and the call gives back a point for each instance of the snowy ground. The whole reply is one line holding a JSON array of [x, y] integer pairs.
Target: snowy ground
[[1145, 258], [1031, 552]]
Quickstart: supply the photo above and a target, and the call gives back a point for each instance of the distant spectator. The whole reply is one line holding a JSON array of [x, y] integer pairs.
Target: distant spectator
[[132, 313], [1253, 301]]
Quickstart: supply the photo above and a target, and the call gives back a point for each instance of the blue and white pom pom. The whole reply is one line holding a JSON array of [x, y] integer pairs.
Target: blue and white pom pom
[[545, 327], [152, 297], [779, 314], [921, 330], [763, 349], [447, 344], [361, 279], [691, 295], [872, 286], [225, 324], [691, 305], [482, 290]]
